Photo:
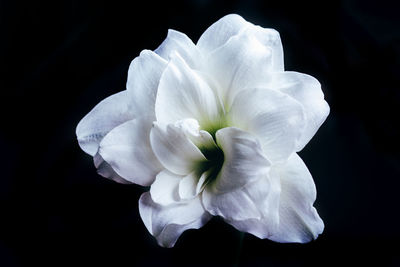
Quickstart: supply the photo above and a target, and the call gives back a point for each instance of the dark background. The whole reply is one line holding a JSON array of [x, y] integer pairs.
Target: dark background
[[60, 58]]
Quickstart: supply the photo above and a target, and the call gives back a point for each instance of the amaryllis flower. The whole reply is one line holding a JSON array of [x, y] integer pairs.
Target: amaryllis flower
[[213, 128]]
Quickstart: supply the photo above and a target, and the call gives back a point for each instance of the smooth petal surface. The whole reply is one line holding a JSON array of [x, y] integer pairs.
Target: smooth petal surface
[[188, 186], [105, 116], [307, 90], [243, 62], [177, 42], [164, 190], [255, 201], [220, 32], [299, 220], [127, 149], [271, 39], [244, 161], [105, 170], [167, 223], [143, 79], [174, 149], [183, 94], [275, 118]]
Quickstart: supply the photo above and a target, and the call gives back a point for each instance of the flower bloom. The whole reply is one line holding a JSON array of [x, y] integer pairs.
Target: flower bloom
[[213, 128]]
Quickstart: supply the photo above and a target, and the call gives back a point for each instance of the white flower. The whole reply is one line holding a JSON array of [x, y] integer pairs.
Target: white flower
[[213, 128]]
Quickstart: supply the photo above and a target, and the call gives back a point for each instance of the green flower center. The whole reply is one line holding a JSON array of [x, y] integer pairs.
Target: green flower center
[[212, 165]]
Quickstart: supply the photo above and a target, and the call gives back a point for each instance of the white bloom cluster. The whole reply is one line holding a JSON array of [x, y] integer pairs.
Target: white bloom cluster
[[213, 128]]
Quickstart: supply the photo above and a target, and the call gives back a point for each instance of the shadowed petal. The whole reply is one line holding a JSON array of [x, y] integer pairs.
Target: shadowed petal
[[104, 117], [127, 149], [167, 223]]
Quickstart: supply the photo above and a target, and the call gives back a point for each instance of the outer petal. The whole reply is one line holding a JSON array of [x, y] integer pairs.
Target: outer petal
[[105, 116], [127, 149], [299, 220], [220, 32], [243, 62], [177, 42], [164, 190], [167, 223], [307, 90], [275, 118], [183, 94], [174, 149], [105, 170], [271, 39], [143, 78]]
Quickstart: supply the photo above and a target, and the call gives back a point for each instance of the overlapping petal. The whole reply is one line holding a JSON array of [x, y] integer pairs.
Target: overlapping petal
[[177, 42], [173, 149], [167, 223], [275, 118], [242, 62], [299, 220], [104, 117], [307, 90], [105, 170], [142, 84], [244, 163], [127, 149], [220, 32], [183, 94]]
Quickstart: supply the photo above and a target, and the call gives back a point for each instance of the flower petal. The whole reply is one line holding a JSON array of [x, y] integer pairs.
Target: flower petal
[[167, 223], [254, 194], [164, 190], [183, 94], [188, 186], [105, 116], [244, 161], [127, 149], [243, 62], [275, 118], [220, 32], [143, 78], [271, 39], [299, 220], [307, 90], [180, 43], [174, 149], [105, 170]]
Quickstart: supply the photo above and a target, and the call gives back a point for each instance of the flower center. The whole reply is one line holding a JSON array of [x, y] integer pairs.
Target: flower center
[[212, 165]]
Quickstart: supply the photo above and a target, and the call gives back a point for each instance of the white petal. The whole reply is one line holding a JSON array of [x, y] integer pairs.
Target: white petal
[[307, 90], [105, 116], [255, 200], [127, 149], [243, 62], [299, 220], [164, 190], [174, 149], [105, 170], [275, 118], [244, 161], [183, 94], [180, 43], [167, 223], [220, 32], [271, 39], [143, 78], [201, 138], [188, 186]]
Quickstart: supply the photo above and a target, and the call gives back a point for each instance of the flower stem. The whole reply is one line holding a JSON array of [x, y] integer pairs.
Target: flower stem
[[239, 248]]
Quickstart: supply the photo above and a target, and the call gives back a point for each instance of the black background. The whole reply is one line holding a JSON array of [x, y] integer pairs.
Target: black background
[[60, 58]]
